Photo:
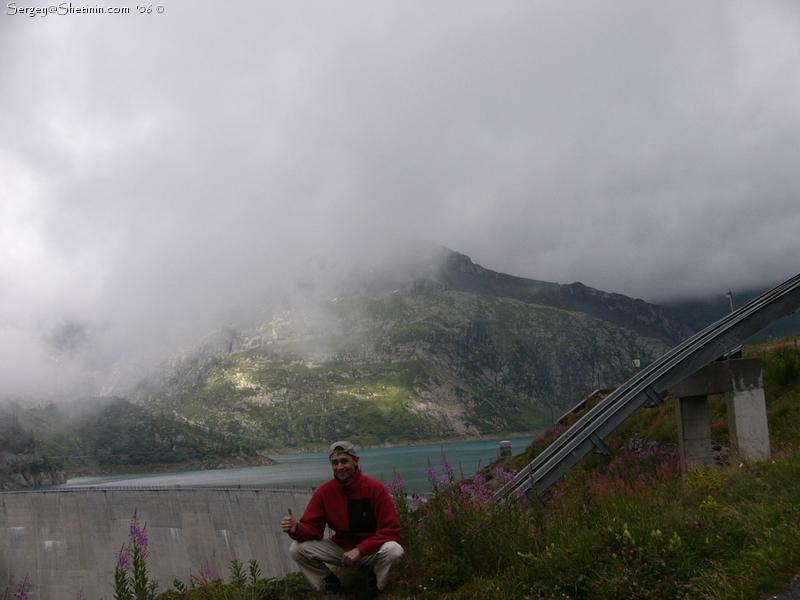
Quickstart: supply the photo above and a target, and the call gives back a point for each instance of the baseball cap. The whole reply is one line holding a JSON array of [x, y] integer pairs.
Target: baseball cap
[[344, 448]]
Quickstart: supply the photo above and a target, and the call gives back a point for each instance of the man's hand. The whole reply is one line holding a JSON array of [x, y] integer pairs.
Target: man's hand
[[288, 524], [350, 557]]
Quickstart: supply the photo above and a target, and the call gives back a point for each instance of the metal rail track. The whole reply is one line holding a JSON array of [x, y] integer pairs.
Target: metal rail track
[[163, 488], [649, 388]]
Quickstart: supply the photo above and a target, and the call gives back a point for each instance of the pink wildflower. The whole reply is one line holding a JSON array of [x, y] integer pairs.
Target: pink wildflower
[[23, 589], [138, 535], [503, 475], [431, 475], [208, 572], [397, 487], [123, 560]]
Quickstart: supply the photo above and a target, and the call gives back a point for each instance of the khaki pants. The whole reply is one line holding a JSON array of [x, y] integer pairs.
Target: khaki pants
[[313, 557]]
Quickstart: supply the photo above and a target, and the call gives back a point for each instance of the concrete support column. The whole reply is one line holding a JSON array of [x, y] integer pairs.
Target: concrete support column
[[694, 430], [747, 412], [742, 381]]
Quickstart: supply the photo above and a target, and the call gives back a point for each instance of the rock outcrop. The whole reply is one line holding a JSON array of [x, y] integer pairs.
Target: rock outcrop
[[19, 471]]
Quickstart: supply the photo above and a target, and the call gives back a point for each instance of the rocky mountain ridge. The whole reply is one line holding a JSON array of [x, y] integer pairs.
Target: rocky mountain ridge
[[460, 273], [435, 348]]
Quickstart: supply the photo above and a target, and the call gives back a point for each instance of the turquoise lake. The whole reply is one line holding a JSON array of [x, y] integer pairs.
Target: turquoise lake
[[309, 469]]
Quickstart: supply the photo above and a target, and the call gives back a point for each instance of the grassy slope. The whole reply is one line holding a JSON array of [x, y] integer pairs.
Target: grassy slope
[[634, 525], [738, 525]]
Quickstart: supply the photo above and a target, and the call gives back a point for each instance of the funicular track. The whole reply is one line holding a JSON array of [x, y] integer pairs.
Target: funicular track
[[649, 388]]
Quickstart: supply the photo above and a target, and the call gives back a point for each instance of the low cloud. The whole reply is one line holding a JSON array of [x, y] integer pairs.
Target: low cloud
[[158, 169]]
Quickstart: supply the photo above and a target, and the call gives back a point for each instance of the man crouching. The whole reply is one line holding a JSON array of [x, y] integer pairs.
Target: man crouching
[[360, 512]]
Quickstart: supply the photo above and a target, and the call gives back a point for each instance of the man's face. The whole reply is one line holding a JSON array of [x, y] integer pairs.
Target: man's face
[[344, 466]]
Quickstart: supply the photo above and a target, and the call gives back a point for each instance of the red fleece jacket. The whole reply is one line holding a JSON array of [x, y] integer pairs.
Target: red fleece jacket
[[361, 514]]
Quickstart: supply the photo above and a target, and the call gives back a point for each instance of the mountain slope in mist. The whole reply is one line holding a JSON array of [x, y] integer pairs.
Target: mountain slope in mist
[[44, 445], [438, 348], [698, 314]]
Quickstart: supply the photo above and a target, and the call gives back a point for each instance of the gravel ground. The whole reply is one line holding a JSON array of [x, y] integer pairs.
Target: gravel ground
[[793, 593]]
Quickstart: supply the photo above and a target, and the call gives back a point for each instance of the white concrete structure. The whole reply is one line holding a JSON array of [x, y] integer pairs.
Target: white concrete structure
[[742, 381], [694, 430], [68, 541]]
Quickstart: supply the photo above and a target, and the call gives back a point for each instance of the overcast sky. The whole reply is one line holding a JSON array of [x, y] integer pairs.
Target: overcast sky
[[157, 168]]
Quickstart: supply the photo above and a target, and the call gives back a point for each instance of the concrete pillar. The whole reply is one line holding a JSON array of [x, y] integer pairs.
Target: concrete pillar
[[742, 381], [747, 411], [694, 430]]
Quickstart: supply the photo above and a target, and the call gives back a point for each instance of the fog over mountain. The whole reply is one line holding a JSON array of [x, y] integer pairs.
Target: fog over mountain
[[159, 170]]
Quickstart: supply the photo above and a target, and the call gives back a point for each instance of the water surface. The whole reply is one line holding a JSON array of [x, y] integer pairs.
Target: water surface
[[310, 469]]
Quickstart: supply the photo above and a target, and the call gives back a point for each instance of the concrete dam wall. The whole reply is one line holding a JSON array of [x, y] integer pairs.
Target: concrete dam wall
[[67, 541]]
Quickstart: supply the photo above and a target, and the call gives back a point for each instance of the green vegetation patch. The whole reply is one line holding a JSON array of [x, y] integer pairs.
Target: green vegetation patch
[[124, 434], [383, 393]]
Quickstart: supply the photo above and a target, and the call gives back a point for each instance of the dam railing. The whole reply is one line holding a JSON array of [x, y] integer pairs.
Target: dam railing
[[108, 487]]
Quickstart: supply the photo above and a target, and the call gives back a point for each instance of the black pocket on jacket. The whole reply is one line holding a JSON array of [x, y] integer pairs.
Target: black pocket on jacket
[[359, 515]]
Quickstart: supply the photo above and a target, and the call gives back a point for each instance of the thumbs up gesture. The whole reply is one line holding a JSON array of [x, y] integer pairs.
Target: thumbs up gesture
[[289, 524]]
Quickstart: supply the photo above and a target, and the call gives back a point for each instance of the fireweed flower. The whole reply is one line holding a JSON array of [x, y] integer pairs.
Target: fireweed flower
[[23, 589], [208, 572], [483, 495], [123, 560], [397, 487], [138, 535], [481, 492], [433, 479], [503, 475]]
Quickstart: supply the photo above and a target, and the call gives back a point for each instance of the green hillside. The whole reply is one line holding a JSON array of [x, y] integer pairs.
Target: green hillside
[[401, 367], [436, 347]]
